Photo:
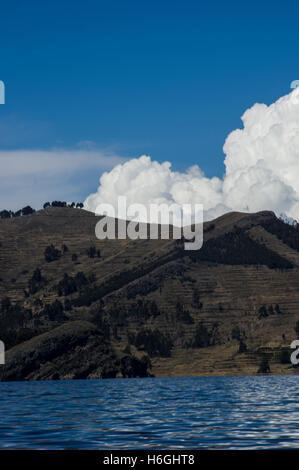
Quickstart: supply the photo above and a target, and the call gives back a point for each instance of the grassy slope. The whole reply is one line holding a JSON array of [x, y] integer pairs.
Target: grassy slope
[[231, 295]]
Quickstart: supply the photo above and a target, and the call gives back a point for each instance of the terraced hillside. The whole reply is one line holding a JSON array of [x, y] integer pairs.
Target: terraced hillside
[[73, 306]]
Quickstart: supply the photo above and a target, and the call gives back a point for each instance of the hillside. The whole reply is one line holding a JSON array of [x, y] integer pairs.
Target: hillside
[[73, 306]]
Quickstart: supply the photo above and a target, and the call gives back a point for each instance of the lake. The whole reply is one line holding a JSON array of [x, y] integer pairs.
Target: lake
[[167, 413]]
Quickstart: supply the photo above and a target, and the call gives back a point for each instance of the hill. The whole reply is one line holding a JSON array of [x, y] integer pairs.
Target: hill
[[73, 306]]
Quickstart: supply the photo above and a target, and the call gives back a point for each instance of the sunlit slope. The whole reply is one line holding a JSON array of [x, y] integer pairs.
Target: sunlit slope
[[190, 312]]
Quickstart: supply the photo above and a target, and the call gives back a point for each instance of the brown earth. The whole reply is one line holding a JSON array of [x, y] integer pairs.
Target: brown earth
[[146, 301]]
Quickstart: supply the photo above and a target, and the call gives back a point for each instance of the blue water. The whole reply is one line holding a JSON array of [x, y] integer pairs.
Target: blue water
[[169, 413]]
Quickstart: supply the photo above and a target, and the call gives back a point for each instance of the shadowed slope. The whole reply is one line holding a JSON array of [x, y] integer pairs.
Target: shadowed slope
[[190, 312]]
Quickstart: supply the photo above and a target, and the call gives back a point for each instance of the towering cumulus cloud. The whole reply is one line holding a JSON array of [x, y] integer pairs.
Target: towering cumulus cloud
[[262, 170]]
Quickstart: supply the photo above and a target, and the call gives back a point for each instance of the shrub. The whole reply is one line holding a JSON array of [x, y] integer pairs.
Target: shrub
[[5, 214], [5, 304], [237, 248], [54, 311], [67, 305], [263, 312], [52, 254], [36, 282], [236, 334], [284, 356], [27, 210], [286, 233], [202, 337], [68, 284], [183, 315], [242, 347], [153, 342], [264, 367], [91, 252]]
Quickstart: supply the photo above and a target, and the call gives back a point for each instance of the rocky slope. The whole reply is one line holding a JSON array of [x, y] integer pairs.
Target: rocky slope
[[73, 306]]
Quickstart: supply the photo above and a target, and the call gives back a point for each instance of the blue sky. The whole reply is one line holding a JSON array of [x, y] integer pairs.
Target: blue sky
[[170, 79]]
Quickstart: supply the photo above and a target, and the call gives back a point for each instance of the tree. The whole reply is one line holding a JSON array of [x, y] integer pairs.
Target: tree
[[51, 253], [80, 279], [36, 282], [54, 311], [196, 299], [263, 312], [59, 204], [46, 205], [154, 308], [153, 342], [37, 276], [79, 205], [183, 315], [5, 304], [5, 214], [67, 305], [271, 310], [202, 337], [277, 309], [264, 367], [27, 210], [236, 333], [284, 356], [237, 247], [68, 284], [242, 347], [91, 252]]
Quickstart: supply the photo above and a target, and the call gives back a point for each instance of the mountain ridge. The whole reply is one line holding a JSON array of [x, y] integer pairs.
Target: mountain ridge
[[152, 304]]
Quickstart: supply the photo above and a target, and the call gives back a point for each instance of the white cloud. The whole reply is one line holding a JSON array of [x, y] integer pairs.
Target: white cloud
[[25, 162], [35, 176], [262, 169]]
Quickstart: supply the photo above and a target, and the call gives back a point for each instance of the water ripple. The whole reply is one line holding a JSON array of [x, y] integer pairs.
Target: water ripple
[[189, 413]]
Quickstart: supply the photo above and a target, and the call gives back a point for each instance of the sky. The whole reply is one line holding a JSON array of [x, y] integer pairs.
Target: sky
[[93, 84]]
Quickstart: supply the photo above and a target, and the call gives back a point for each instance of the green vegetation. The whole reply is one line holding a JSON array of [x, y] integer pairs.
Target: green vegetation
[[288, 234], [36, 282], [52, 254], [242, 347], [14, 321], [154, 342], [148, 295], [68, 284], [265, 311], [142, 288], [236, 333], [6, 214], [54, 311], [264, 367], [63, 204], [92, 252], [196, 303], [238, 248], [202, 338], [285, 356], [183, 315]]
